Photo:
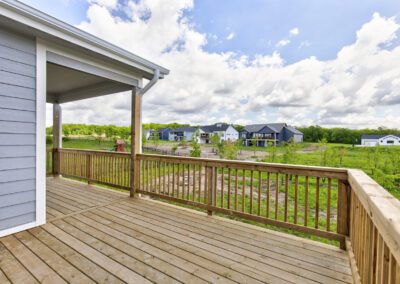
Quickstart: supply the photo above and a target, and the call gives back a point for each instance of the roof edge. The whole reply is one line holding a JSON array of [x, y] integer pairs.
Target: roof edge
[[54, 23]]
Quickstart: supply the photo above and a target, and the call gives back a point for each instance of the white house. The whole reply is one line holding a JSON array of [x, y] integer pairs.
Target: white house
[[226, 132], [384, 140], [184, 133]]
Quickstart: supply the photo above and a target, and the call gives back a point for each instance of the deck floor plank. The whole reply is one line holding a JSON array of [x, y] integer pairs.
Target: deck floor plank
[[13, 269], [117, 255], [52, 259], [294, 262], [289, 269], [255, 233], [98, 235], [190, 263], [3, 278], [203, 226], [188, 245], [42, 272], [142, 255], [89, 268]]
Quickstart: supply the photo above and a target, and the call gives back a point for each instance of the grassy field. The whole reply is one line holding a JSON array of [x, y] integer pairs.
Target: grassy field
[[380, 163]]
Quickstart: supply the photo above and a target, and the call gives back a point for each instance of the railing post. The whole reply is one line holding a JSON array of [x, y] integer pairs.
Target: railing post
[[343, 208], [210, 189], [56, 162], [89, 174]]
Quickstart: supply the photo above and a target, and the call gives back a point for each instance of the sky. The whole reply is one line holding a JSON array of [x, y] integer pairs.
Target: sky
[[305, 62]]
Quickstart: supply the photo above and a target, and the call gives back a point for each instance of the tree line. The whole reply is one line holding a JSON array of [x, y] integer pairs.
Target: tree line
[[341, 135], [311, 133]]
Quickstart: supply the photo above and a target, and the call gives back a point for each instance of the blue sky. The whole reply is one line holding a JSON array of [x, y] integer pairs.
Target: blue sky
[[257, 25], [307, 62]]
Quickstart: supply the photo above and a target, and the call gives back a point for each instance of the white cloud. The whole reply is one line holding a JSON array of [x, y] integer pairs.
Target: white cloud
[[231, 36], [111, 4], [358, 88], [282, 42], [294, 32]]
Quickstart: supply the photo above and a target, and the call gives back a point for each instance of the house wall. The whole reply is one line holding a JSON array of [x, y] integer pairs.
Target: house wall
[[369, 142], [188, 135], [385, 140], [164, 135], [287, 135], [231, 134], [298, 137], [17, 130]]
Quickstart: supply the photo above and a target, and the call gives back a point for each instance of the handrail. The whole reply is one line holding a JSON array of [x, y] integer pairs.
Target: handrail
[[328, 172]]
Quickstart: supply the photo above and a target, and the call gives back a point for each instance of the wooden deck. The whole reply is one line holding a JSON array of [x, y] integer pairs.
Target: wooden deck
[[97, 235]]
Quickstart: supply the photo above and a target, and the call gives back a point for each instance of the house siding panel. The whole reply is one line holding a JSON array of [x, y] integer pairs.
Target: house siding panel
[[11, 139], [16, 103], [14, 127], [17, 92], [17, 129]]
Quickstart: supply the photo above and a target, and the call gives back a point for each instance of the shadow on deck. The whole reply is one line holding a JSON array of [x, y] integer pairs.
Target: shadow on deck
[[98, 235]]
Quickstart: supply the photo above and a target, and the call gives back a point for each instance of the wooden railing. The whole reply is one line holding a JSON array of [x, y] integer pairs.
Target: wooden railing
[[108, 168], [374, 238], [338, 204], [312, 200]]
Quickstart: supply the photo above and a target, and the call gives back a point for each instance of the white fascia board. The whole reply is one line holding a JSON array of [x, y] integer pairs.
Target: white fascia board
[[42, 22]]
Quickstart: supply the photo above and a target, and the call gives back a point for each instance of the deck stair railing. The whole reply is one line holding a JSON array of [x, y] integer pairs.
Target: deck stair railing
[[343, 205]]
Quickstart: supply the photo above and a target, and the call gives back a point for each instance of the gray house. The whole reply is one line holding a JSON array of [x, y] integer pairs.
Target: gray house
[[45, 60], [183, 133], [164, 133], [271, 132]]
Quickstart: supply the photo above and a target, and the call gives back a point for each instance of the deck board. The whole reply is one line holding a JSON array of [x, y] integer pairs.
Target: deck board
[[98, 235]]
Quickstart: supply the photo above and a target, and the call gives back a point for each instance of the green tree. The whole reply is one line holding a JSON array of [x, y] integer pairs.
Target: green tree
[[342, 154], [289, 153], [215, 141], [230, 151], [155, 138], [254, 142], [323, 149], [196, 149], [239, 145], [272, 152]]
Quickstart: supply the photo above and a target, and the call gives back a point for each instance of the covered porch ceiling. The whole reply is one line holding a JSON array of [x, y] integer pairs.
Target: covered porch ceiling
[[65, 84]]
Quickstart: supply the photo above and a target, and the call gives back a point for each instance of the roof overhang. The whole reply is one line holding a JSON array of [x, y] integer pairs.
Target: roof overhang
[[29, 21]]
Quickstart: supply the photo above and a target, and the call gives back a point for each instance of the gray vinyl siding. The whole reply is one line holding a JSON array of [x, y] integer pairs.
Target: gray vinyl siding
[[17, 129]]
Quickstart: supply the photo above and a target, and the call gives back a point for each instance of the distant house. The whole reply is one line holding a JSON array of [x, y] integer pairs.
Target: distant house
[[271, 132], [147, 133], [164, 133], [377, 139], [226, 132], [183, 133]]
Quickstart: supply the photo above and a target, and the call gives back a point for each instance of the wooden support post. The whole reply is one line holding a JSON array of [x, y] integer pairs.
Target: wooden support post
[[136, 138], [343, 216], [57, 138]]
